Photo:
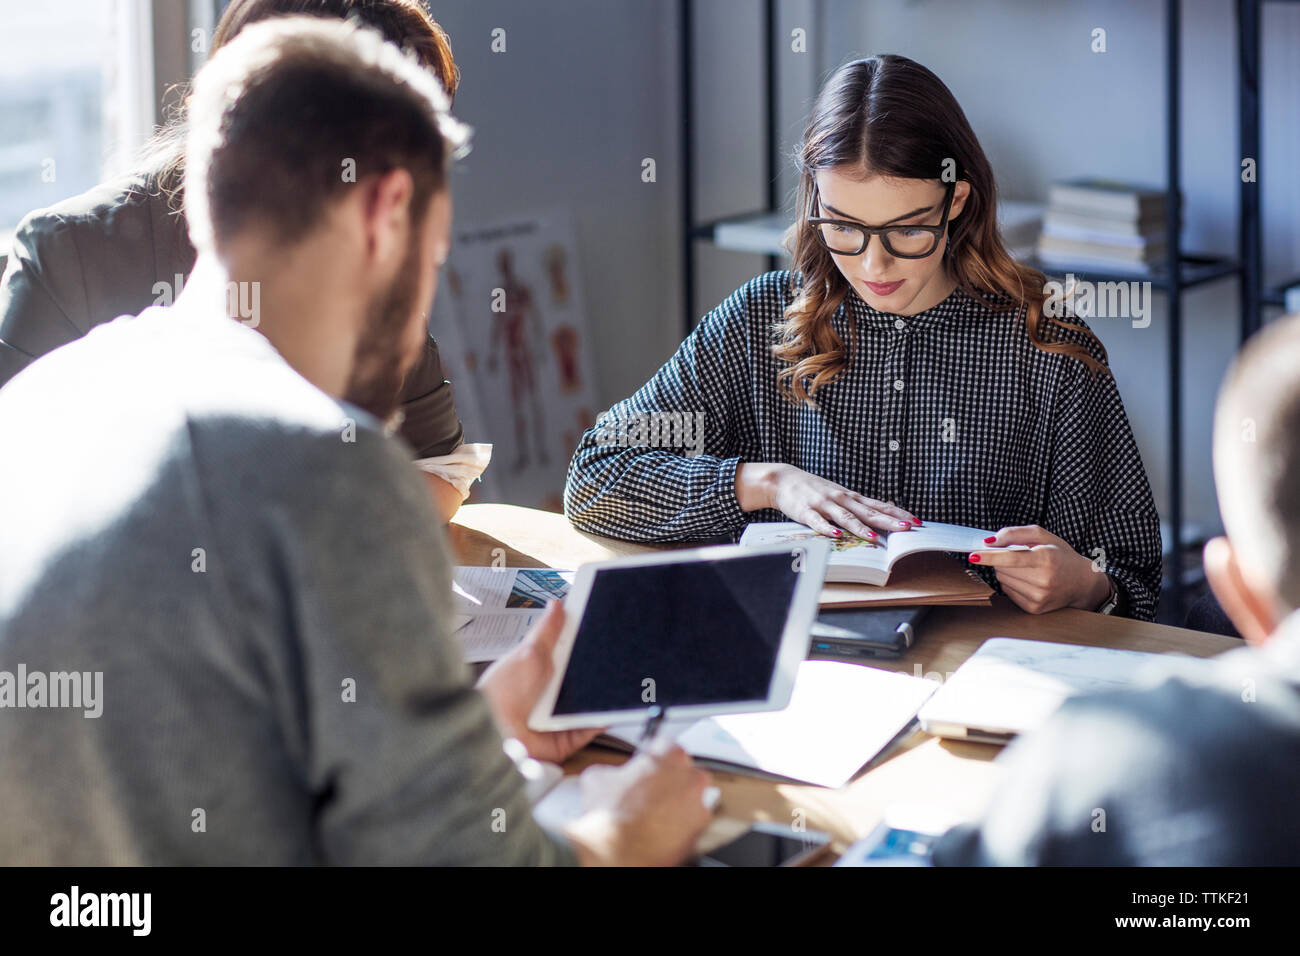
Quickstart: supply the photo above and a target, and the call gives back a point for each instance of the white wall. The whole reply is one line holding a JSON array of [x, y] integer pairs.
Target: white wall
[[584, 91]]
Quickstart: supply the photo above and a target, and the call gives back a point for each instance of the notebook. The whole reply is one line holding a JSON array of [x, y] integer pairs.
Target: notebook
[[853, 633], [840, 717], [1010, 686]]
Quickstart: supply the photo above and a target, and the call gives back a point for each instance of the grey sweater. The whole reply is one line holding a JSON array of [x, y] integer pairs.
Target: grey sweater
[[257, 573]]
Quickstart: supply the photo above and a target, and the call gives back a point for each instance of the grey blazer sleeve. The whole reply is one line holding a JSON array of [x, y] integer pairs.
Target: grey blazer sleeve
[[86, 261], [37, 313]]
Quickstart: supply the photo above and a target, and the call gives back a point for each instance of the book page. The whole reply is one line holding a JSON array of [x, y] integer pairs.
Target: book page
[[936, 536], [848, 551], [928, 578], [488, 637], [479, 589], [496, 607]]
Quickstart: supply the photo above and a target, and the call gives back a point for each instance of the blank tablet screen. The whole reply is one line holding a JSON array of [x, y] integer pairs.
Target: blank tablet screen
[[705, 632]]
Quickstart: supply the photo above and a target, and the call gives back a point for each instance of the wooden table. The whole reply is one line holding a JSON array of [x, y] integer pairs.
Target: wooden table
[[956, 777]]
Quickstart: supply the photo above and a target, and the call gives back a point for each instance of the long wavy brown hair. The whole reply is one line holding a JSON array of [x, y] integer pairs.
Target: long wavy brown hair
[[888, 115], [404, 23]]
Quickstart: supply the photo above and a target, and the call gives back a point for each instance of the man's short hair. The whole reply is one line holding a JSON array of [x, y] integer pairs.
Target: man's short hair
[[296, 110], [1257, 456]]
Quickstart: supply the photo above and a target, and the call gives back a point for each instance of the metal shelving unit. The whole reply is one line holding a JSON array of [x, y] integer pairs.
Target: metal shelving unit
[[1254, 293], [1180, 272]]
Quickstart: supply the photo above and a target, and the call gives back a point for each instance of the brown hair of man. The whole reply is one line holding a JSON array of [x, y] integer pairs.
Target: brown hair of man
[[295, 110]]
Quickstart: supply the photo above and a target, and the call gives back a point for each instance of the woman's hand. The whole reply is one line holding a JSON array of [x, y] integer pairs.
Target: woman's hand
[[822, 505], [1046, 573], [513, 684]]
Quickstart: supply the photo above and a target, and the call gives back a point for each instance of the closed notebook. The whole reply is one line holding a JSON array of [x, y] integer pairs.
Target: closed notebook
[[871, 632], [840, 717]]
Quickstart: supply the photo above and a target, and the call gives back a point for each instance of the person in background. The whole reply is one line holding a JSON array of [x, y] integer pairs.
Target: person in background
[[1202, 767], [122, 247], [255, 574], [904, 370]]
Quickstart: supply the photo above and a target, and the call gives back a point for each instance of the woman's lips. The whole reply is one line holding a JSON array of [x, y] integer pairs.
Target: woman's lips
[[883, 289]]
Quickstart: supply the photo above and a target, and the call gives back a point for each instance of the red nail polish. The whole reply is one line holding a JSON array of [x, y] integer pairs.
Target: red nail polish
[[975, 558], [871, 534], [917, 522], [990, 539], [838, 531]]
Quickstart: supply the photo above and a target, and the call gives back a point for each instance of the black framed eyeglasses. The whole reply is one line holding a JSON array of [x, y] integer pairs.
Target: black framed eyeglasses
[[845, 238]]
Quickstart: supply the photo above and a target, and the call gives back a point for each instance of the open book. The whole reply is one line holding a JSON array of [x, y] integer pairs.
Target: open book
[[863, 561], [840, 717]]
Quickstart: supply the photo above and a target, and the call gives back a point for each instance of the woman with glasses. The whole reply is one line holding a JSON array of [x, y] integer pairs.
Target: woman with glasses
[[903, 371]]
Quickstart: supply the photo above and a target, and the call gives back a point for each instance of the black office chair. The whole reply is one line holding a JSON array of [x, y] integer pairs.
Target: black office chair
[[1205, 614]]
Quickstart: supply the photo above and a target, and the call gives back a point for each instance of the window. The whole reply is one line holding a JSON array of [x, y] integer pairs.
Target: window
[[77, 79]]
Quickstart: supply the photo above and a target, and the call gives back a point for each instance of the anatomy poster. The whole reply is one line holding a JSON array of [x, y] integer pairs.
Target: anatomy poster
[[510, 324]]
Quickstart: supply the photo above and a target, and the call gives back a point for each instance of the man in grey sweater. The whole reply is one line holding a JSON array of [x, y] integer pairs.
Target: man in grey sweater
[[231, 646]]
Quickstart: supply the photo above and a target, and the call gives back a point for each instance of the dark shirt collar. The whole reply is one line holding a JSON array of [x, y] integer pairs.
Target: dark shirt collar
[[866, 316]]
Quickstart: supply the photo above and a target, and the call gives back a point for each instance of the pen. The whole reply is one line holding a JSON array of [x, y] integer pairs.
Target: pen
[[654, 717], [712, 796]]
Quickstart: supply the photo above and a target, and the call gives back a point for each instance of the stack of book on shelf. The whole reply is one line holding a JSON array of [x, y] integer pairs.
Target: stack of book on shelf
[[1103, 225]]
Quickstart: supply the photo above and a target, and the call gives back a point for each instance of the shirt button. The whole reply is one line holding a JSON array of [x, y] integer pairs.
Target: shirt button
[[900, 324], [898, 384], [893, 444]]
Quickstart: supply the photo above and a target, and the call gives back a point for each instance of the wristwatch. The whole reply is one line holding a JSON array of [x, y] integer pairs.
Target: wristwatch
[[1112, 599]]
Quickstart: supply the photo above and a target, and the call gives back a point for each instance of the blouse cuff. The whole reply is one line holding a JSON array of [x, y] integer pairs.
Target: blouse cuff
[[461, 468], [730, 514]]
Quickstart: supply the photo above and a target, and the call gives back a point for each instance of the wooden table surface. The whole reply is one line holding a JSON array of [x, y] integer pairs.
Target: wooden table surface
[[952, 776]]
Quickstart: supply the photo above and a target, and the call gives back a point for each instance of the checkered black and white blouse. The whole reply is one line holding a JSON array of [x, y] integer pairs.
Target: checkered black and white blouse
[[951, 413]]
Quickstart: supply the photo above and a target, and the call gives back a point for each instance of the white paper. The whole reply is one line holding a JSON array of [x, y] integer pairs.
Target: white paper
[[840, 716], [1011, 685], [496, 607], [491, 636]]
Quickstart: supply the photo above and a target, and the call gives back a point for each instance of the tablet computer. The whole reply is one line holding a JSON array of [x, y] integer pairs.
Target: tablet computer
[[717, 630]]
